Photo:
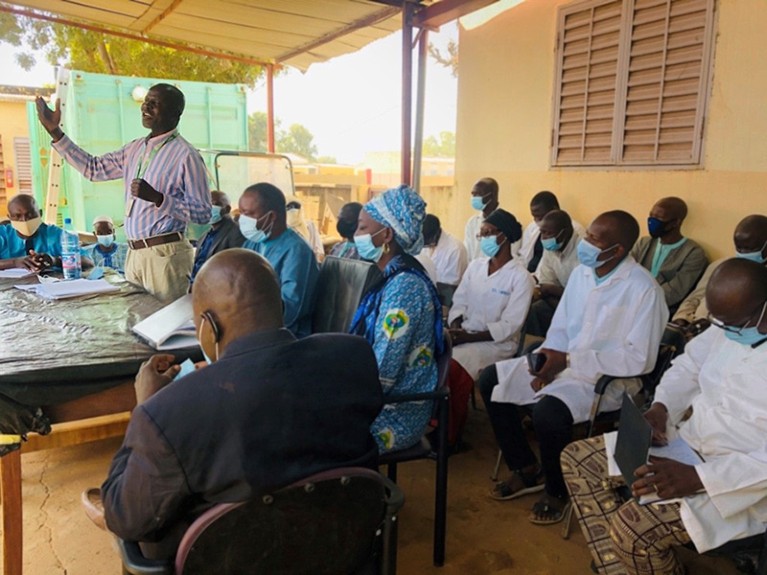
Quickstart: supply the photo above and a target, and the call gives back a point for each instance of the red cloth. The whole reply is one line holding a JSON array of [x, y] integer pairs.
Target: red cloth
[[460, 384]]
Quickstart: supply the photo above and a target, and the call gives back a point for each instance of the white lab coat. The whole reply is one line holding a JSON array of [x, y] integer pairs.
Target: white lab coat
[[470, 240], [526, 246], [613, 328], [428, 265], [726, 385], [497, 303], [307, 230], [449, 255]]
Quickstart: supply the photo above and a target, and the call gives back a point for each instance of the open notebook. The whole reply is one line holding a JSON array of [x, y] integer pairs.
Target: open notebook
[[171, 327]]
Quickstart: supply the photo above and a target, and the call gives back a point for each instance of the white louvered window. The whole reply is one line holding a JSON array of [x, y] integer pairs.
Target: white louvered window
[[631, 84], [23, 165]]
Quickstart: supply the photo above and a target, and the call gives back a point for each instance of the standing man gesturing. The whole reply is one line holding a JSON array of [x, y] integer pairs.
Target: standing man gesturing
[[165, 188]]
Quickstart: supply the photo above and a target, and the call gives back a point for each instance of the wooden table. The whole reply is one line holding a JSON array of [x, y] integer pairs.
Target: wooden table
[[87, 395]]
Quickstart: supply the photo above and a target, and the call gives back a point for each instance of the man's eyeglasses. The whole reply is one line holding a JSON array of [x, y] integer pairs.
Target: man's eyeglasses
[[737, 329]]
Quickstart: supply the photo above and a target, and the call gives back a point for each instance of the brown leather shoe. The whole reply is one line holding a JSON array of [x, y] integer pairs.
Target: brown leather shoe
[[94, 508]]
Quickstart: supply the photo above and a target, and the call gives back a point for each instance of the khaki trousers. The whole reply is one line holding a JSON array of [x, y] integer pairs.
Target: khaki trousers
[[162, 270]]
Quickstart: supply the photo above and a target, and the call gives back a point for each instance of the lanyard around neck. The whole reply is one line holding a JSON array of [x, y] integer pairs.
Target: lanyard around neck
[[142, 167]]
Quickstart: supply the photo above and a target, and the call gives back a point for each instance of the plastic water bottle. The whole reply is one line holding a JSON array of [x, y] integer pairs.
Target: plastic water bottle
[[70, 252]]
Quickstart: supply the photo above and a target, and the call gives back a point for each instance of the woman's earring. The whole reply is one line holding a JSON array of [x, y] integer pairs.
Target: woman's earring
[[386, 248]]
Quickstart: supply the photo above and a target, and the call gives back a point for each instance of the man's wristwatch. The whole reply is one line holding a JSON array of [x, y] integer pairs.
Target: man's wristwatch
[[567, 360]]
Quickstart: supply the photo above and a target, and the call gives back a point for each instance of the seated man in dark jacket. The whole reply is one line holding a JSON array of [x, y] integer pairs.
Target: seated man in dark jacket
[[224, 233], [268, 411]]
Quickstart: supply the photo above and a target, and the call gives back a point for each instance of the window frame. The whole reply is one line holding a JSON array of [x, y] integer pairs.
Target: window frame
[[617, 161]]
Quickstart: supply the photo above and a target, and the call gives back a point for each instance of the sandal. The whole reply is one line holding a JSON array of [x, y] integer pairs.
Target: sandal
[[517, 485], [549, 510]]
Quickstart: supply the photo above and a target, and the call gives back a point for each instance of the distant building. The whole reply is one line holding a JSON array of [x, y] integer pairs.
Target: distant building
[[15, 164]]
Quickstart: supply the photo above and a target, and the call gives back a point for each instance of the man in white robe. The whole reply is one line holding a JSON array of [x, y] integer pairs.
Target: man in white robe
[[722, 376], [447, 253], [560, 241], [609, 321], [484, 199]]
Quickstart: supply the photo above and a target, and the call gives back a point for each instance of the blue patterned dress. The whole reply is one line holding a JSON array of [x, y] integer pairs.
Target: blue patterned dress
[[402, 323]]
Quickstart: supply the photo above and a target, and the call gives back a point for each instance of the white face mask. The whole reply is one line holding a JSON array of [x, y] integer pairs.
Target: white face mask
[[294, 217], [27, 228]]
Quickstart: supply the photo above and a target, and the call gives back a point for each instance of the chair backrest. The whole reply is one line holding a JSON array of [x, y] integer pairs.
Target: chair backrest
[[443, 361], [342, 283], [671, 345], [325, 524]]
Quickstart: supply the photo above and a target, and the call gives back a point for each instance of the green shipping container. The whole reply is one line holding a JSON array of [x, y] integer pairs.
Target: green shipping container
[[103, 113]]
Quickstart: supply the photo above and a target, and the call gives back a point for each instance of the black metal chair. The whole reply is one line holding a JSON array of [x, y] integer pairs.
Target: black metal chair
[[341, 284], [423, 450], [338, 521]]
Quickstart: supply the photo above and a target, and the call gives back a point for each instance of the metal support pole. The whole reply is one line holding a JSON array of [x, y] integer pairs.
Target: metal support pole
[[423, 53], [407, 89], [270, 108]]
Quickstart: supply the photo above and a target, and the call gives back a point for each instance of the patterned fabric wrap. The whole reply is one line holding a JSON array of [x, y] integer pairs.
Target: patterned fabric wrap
[[401, 319], [403, 211]]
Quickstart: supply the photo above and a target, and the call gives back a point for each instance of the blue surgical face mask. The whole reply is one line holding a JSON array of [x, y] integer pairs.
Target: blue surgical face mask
[[366, 249], [743, 335], [588, 254], [655, 227], [489, 245], [754, 256], [746, 336], [215, 214], [106, 240], [551, 244], [249, 228], [478, 203]]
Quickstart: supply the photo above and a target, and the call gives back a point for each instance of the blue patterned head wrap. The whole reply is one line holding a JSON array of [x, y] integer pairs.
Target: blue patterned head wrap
[[403, 211]]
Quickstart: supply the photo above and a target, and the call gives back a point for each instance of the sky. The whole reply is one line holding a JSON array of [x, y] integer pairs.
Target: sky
[[351, 104]]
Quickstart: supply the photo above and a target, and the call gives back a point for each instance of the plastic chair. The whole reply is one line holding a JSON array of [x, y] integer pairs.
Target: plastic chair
[[338, 521], [423, 450], [341, 284]]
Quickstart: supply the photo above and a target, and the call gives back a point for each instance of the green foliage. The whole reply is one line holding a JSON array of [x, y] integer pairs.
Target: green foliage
[[297, 140], [326, 160], [449, 59], [442, 147], [89, 51]]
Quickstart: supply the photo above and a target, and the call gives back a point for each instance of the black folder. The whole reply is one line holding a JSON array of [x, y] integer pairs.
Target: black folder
[[632, 447]]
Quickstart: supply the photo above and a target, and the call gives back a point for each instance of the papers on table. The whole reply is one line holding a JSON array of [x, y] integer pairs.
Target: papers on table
[[171, 327], [69, 289], [15, 273]]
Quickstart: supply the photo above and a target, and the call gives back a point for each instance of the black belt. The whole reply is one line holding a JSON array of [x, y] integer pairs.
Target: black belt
[[155, 241]]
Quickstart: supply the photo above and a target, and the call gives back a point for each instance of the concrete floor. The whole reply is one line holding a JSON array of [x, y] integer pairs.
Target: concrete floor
[[484, 536]]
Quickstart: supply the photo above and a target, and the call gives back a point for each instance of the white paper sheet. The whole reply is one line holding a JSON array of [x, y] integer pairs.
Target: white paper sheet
[[16, 273]]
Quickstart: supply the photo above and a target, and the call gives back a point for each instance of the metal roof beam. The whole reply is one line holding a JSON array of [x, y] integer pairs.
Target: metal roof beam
[[445, 11]]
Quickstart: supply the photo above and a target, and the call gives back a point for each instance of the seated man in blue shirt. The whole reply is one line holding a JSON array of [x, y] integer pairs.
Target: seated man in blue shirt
[[106, 252], [223, 233], [263, 222], [28, 242]]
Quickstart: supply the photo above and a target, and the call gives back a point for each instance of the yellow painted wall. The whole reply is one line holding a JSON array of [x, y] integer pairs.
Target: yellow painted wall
[[13, 123], [505, 92]]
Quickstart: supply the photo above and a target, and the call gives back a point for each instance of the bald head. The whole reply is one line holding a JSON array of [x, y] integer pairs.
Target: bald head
[[673, 208], [737, 291], [240, 291], [618, 227], [23, 203], [557, 219], [219, 198], [751, 234]]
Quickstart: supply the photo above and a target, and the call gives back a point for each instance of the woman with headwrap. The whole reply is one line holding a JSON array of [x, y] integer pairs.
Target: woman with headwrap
[[489, 309], [401, 316]]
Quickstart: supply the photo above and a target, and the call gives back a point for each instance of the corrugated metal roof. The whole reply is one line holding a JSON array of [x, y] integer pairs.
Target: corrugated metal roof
[[290, 32]]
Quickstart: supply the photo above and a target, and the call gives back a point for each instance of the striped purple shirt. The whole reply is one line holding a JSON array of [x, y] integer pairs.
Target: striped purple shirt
[[177, 171]]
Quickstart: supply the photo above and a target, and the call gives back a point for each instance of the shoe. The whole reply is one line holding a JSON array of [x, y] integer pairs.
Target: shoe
[[94, 507], [549, 510], [517, 486]]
